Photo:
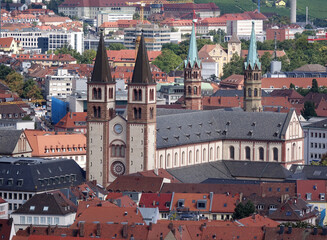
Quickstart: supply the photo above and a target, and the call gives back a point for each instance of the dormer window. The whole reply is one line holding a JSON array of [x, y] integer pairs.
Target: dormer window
[[180, 203], [45, 208], [201, 204], [32, 208]]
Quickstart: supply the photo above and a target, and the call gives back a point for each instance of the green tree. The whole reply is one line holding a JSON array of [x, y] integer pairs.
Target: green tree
[[235, 66], [308, 110], [15, 82], [265, 62], [242, 211], [314, 87], [167, 61], [116, 46], [292, 86], [88, 56], [136, 16], [31, 90], [5, 71]]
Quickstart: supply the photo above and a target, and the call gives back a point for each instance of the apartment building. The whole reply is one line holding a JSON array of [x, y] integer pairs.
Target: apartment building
[[315, 143], [154, 36], [60, 84]]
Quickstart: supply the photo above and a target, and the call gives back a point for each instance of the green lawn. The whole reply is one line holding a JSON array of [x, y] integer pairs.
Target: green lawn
[[317, 8]]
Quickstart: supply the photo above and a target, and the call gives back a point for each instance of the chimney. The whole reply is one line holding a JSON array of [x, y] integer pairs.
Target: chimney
[[289, 230], [30, 231], [315, 231], [281, 229], [241, 197], [154, 203], [98, 230], [49, 230], [81, 229], [125, 231], [150, 226], [156, 171]]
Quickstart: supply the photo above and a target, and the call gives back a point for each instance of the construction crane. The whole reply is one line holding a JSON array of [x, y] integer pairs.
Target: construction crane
[[142, 5], [22, 102], [312, 39]]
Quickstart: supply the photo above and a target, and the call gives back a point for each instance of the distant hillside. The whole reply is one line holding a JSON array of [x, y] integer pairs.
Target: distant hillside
[[317, 8]]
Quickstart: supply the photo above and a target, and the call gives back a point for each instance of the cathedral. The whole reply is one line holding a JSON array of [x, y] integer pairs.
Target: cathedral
[[147, 138]]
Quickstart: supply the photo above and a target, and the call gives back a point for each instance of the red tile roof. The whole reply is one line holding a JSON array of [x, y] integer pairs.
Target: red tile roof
[[129, 55], [152, 200], [286, 82], [136, 184], [55, 144], [109, 214], [6, 42], [223, 203], [72, 120], [257, 220], [315, 187], [280, 53]]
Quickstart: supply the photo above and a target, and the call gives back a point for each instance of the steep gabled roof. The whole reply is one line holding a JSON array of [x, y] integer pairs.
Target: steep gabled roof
[[252, 58], [9, 140], [101, 70], [142, 72]]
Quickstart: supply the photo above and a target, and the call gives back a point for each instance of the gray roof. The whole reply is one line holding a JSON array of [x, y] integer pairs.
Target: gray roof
[[38, 174], [200, 173], [309, 172], [320, 124], [8, 140], [205, 126], [47, 204], [229, 170]]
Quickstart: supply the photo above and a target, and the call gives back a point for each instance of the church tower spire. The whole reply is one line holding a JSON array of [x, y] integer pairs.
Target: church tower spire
[[100, 110], [141, 115], [192, 76], [252, 77]]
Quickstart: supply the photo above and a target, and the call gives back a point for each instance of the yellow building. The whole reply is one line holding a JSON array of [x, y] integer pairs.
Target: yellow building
[[10, 46]]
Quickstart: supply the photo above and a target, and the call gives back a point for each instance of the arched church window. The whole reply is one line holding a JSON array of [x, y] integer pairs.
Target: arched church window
[[275, 154], [140, 113], [255, 92], [140, 95], [261, 153], [99, 112], [135, 113], [99, 93], [135, 95], [231, 152], [247, 153], [95, 112], [249, 92], [195, 90], [94, 93]]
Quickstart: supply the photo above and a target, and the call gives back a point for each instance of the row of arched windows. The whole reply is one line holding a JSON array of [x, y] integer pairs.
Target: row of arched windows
[[118, 150], [195, 90], [137, 113], [190, 157], [195, 74], [248, 153], [97, 93], [137, 94]]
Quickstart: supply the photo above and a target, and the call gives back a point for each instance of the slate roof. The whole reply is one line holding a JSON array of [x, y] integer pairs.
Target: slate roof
[[101, 70], [229, 170], [308, 172], [320, 124], [37, 174], [205, 126], [8, 140], [47, 204], [311, 68], [142, 72]]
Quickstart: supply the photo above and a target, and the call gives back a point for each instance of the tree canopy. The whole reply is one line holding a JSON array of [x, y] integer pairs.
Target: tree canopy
[[167, 61], [243, 210], [308, 110]]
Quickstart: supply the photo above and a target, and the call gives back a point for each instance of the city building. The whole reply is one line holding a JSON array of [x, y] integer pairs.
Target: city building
[[149, 138], [315, 135], [72, 122], [58, 145], [10, 46], [14, 143], [154, 35], [3, 209], [21, 178], [60, 84], [16, 124], [45, 209]]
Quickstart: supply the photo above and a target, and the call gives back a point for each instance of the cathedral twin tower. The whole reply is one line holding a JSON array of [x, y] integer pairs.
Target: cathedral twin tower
[[118, 145]]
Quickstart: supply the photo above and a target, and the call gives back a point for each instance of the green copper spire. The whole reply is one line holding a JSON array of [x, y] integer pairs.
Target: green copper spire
[[192, 56], [252, 58]]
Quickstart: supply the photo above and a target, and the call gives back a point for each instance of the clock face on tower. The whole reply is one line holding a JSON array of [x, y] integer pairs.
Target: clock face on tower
[[118, 128], [117, 168]]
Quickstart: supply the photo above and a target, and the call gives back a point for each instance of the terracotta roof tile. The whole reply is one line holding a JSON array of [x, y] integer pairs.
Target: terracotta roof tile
[[136, 184], [257, 220]]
